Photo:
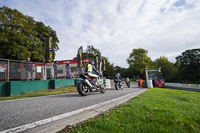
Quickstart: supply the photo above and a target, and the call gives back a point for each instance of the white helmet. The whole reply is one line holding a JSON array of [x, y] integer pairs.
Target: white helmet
[[91, 62]]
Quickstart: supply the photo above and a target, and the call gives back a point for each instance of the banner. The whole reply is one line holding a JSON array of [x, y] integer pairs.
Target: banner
[[80, 57], [97, 62], [49, 56], [104, 64]]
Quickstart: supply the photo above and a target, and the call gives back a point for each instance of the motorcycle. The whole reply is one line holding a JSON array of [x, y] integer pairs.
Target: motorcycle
[[128, 84], [118, 84], [90, 84]]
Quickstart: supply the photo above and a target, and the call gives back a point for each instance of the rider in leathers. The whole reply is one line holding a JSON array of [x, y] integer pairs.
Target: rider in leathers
[[118, 78], [91, 70]]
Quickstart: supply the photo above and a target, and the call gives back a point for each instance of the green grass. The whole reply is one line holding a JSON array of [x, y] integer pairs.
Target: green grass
[[62, 90], [155, 111]]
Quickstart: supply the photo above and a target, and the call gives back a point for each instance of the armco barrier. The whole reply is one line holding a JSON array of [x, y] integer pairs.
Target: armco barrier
[[13, 88], [183, 85]]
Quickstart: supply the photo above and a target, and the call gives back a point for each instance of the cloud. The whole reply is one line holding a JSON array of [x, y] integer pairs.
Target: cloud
[[164, 28]]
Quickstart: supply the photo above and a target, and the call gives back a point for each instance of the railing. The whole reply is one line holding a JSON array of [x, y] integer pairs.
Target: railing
[[14, 70], [182, 85]]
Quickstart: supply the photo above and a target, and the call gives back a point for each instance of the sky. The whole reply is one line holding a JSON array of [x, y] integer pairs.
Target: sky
[[116, 27]]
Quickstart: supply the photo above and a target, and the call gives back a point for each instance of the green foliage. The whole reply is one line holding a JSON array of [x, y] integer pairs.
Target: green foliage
[[188, 64], [22, 37], [155, 111], [110, 72], [138, 61], [123, 72], [167, 68], [91, 52]]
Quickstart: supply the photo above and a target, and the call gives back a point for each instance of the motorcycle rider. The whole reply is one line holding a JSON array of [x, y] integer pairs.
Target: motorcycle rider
[[127, 81], [118, 78], [91, 70]]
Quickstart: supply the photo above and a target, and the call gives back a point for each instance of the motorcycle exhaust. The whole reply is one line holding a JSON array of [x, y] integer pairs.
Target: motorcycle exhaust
[[88, 83]]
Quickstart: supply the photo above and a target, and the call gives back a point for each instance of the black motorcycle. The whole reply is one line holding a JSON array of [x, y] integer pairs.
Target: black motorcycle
[[118, 84], [90, 84]]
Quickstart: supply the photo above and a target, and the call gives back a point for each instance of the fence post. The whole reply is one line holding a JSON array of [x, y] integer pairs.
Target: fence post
[[45, 74], [8, 72]]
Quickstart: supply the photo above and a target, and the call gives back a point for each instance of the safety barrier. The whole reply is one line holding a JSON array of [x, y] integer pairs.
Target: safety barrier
[[108, 84], [183, 85], [77, 81], [13, 88]]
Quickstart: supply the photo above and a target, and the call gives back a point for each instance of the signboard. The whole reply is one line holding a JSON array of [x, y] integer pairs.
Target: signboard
[[104, 64], [49, 56], [97, 61], [80, 57]]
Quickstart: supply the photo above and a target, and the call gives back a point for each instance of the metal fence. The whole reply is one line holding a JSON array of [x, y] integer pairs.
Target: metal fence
[[14, 70]]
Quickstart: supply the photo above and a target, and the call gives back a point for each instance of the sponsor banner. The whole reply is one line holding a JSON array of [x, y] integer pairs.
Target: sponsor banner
[[49, 56], [97, 62], [80, 57], [104, 65]]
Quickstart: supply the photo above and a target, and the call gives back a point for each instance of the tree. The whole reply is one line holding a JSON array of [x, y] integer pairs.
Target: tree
[[138, 61], [22, 37], [189, 66], [167, 68], [91, 52], [110, 72]]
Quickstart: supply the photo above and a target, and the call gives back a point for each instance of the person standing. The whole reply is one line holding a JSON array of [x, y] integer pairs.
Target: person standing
[[55, 66], [140, 82], [67, 71], [28, 65]]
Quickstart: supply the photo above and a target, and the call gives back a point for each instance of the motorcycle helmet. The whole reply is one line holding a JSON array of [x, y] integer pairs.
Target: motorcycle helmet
[[91, 62]]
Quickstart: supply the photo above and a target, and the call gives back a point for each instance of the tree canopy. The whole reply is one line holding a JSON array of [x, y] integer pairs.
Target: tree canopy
[[21, 36], [167, 68], [188, 64], [138, 61], [91, 52]]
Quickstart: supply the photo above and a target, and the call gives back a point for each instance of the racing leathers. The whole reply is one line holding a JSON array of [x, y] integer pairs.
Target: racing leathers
[[91, 70]]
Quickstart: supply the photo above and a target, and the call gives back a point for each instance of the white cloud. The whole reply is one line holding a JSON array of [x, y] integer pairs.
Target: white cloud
[[166, 27]]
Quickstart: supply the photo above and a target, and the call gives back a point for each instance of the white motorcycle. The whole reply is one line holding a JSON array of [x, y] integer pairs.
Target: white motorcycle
[[90, 84]]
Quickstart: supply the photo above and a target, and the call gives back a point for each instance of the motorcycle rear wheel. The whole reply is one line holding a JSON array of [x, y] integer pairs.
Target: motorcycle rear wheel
[[83, 89]]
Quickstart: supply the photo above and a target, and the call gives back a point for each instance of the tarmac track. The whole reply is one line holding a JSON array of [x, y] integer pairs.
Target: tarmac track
[[16, 113]]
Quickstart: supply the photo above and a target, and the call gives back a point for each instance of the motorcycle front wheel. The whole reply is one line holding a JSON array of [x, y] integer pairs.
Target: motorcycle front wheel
[[83, 89], [117, 86]]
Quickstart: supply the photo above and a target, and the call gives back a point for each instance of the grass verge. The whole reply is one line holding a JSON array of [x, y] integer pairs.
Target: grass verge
[[155, 111], [62, 90]]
